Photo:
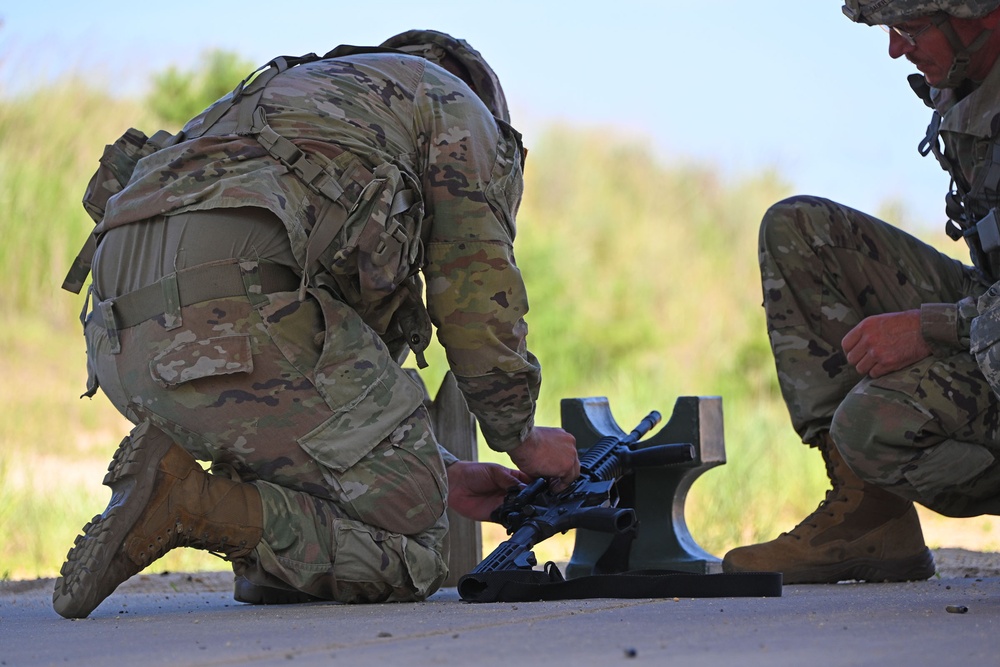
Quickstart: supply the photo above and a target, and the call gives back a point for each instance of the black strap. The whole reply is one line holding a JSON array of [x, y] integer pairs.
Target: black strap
[[549, 584], [615, 557]]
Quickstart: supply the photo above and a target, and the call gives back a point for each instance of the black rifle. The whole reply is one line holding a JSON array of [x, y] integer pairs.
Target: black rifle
[[533, 514]]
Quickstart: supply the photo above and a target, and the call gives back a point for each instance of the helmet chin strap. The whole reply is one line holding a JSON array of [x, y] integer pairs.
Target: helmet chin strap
[[963, 54]]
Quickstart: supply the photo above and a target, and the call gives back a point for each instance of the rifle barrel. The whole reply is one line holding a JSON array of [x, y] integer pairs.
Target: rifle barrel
[[644, 427]]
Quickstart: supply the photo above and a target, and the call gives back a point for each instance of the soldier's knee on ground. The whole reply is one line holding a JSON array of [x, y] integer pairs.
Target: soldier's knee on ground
[[310, 545], [350, 562]]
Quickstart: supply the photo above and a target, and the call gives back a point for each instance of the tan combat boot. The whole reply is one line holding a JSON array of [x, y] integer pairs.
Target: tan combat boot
[[860, 531], [160, 499]]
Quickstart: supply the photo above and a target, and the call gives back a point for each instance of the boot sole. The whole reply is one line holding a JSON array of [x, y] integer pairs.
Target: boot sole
[[913, 568], [82, 584]]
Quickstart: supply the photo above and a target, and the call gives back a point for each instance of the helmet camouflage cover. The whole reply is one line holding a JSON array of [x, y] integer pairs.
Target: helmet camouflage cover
[[891, 12], [438, 46]]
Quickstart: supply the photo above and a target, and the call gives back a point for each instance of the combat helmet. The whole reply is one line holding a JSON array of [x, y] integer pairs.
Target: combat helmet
[[892, 12], [439, 47]]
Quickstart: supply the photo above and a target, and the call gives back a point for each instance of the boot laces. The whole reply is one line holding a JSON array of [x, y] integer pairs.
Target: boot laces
[[176, 535], [823, 509], [160, 544], [833, 495]]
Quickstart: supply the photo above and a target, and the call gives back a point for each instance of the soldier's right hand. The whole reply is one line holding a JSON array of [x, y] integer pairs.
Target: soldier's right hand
[[886, 343], [550, 453]]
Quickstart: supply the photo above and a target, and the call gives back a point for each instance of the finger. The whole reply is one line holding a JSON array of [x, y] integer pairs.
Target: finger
[[564, 482], [868, 363], [886, 366], [851, 339], [560, 483], [521, 477], [505, 474], [505, 479], [863, 366]]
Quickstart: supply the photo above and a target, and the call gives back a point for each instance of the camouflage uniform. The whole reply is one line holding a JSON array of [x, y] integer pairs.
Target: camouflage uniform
[[929, 432], [290, 376]]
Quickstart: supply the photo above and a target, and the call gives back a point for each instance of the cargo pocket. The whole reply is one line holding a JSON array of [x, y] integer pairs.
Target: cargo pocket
[[984, 337], [368, 393], [397, 483], [223, 355]]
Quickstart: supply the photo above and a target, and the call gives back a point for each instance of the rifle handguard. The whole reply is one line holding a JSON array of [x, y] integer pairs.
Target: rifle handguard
[[657, 455]]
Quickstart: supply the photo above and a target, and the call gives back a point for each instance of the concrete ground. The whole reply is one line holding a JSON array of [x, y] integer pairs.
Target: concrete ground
[[191, 619]]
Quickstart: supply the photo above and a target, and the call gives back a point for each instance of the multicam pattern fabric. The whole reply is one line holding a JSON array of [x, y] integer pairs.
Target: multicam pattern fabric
[[891, 12], [400, 115], [966, 143], [925, 432], [117, 164], [244, 383], [928, 432], [437, 46], [971, 154], [301, 393]]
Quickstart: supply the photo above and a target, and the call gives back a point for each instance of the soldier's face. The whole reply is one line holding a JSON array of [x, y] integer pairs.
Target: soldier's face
[[924, 45], [930, 51]]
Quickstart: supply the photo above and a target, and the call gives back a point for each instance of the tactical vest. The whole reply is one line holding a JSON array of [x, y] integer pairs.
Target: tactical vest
[[381, 208], [973, 209], [971, 205]]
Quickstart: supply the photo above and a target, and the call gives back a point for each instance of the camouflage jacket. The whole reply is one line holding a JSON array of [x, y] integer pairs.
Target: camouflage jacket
[[416, 174], [964, 135]]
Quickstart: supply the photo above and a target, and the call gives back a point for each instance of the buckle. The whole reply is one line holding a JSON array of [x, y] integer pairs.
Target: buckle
[[385, 248]]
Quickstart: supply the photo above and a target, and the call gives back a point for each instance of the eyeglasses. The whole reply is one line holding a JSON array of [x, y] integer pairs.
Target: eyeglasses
[[910, 37]]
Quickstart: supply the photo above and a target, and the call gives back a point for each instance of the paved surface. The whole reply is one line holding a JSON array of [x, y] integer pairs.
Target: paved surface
[[183, 619]]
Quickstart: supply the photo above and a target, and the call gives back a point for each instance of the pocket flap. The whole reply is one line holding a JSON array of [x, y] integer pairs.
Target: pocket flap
[[355, 430], [224, 355]]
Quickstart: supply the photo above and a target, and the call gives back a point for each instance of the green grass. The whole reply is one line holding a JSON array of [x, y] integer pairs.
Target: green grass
[[54, 451], [41, 514], [50, 142]]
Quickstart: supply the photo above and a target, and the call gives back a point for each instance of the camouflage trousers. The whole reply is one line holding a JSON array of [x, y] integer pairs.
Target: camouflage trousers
[[301, 399], [929, 432]]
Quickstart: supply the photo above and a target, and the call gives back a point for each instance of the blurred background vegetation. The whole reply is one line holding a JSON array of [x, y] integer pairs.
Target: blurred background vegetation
[[642, 277]]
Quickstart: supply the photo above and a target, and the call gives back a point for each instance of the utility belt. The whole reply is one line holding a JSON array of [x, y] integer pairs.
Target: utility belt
[[166, 297]]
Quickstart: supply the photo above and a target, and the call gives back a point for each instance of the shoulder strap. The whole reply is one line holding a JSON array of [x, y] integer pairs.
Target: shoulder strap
[[349, 50], [248, 92]]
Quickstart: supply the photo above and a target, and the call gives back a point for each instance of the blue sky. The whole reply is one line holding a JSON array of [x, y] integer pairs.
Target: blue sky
[[741, 84]]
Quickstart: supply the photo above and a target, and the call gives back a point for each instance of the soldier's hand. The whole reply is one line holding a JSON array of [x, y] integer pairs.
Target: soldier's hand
[[882, 344], [476, 489], [550, 453]]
